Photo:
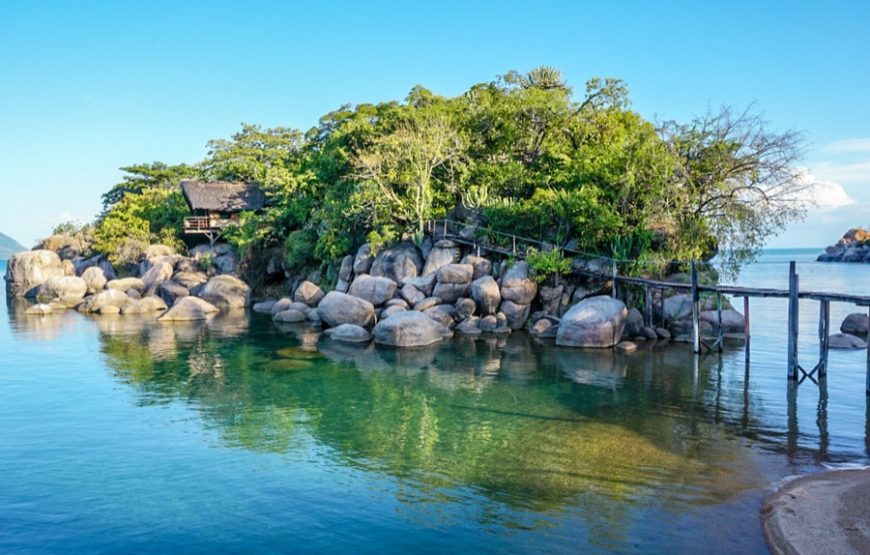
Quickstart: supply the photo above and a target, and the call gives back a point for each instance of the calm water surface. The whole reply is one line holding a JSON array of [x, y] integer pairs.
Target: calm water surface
[[118, 435]]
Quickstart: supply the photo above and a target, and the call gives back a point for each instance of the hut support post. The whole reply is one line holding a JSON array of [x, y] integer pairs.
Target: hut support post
[[824, 335], [696, 312], [720, 335], [792, 322]]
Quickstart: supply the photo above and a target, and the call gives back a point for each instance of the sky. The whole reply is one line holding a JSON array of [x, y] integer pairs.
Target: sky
[[88, 87]]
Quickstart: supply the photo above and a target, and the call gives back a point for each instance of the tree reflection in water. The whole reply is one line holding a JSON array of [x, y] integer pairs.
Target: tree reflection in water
[[497, 421]]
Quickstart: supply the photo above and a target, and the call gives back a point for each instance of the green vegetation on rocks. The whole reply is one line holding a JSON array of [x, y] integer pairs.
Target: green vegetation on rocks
[[522, 154]]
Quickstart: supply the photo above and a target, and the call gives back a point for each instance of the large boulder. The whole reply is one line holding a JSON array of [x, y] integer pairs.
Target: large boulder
[[152, 303], [226, 292], [345, 272], [157, 274], [438, 257], [157, 250], [125, 284], [486, 294], [376, 290], [408, 329], [516, 286], [593, 322], [677, 307], [189, 280], [308, 293], [634, 323], [351, 333], [482, 266], [109, 297], [855, 324], [412, 294], [95, 279], [26, 271], [450, 292], [170, 292], [362, 262], [455, 273], [64, 288], [425, 284], [340, 308], [551, 298], [397, 263], [188, 309], [100, 261], [516, 314], [732, 321]]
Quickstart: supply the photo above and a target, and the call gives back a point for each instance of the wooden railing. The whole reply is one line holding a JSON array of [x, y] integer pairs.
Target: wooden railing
[[197, 223]]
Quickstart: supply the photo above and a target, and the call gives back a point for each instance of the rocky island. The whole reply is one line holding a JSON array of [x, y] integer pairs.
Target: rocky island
[[854, 246]]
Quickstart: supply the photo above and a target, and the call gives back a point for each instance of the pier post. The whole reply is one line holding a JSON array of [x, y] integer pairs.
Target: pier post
[[648, 305], [613, 271], [696, 312], [792, 322], [746, 333], [824, 335], [868, 360], [720, 335]]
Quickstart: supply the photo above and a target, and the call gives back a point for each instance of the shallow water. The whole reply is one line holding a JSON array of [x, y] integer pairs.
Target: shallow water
[[123, 435]]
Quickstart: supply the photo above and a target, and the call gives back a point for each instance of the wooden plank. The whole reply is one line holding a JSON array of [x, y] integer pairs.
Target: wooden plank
[[696, 313], [792, 322]]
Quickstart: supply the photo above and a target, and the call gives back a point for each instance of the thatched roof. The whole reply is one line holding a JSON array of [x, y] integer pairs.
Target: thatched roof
[[223, 196]]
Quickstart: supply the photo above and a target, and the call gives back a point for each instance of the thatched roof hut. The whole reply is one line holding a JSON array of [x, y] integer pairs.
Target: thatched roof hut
[[223, 196]]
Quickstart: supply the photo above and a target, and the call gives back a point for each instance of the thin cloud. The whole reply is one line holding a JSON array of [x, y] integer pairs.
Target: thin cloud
[[849, 146]]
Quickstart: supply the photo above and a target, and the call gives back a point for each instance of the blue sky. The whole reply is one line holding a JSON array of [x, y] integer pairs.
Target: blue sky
[[87, 87]]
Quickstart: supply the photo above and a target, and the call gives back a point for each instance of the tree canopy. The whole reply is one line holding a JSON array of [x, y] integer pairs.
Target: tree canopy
[[522, 152]]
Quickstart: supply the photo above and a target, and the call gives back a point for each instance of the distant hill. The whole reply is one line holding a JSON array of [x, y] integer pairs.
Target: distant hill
[[9, 246]]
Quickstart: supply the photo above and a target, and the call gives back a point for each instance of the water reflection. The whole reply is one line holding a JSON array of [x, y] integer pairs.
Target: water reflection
[[504, 423]]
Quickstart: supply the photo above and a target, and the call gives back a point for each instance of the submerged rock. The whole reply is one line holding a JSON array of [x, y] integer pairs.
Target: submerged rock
[[846, 341], [350, 333]]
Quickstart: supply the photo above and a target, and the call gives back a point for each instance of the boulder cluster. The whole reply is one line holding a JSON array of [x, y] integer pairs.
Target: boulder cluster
[[854, 246], [409, 296], [165, 284], [403, 296], [854, 332]]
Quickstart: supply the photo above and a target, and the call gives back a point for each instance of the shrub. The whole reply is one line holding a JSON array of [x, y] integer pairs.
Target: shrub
[[544, 264]]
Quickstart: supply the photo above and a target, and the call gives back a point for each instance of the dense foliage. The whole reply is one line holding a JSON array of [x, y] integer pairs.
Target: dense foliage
[[520, 154]]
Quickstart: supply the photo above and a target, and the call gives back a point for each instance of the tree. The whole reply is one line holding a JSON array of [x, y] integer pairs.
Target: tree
[[140, 177], [735, 183], [398, 169]]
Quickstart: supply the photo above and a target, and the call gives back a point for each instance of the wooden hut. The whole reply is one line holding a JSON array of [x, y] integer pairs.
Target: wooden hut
[[217, 204]]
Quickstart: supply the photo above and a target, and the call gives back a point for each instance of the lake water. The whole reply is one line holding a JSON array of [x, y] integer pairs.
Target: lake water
[[120, 435]]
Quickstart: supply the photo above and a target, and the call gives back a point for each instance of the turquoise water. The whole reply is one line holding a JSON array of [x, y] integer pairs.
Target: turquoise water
[[118, 435]]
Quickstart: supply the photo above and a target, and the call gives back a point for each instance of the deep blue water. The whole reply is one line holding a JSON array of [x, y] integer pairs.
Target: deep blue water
[[119, 435]]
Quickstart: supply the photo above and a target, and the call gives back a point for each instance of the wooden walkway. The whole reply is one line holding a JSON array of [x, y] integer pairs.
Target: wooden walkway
[[518, 246]]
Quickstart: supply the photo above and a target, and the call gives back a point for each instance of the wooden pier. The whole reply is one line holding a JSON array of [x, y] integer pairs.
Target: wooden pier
[[449, 229]]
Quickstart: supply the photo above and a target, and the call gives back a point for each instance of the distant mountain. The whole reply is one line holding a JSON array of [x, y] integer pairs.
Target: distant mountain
[[9, 246]]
